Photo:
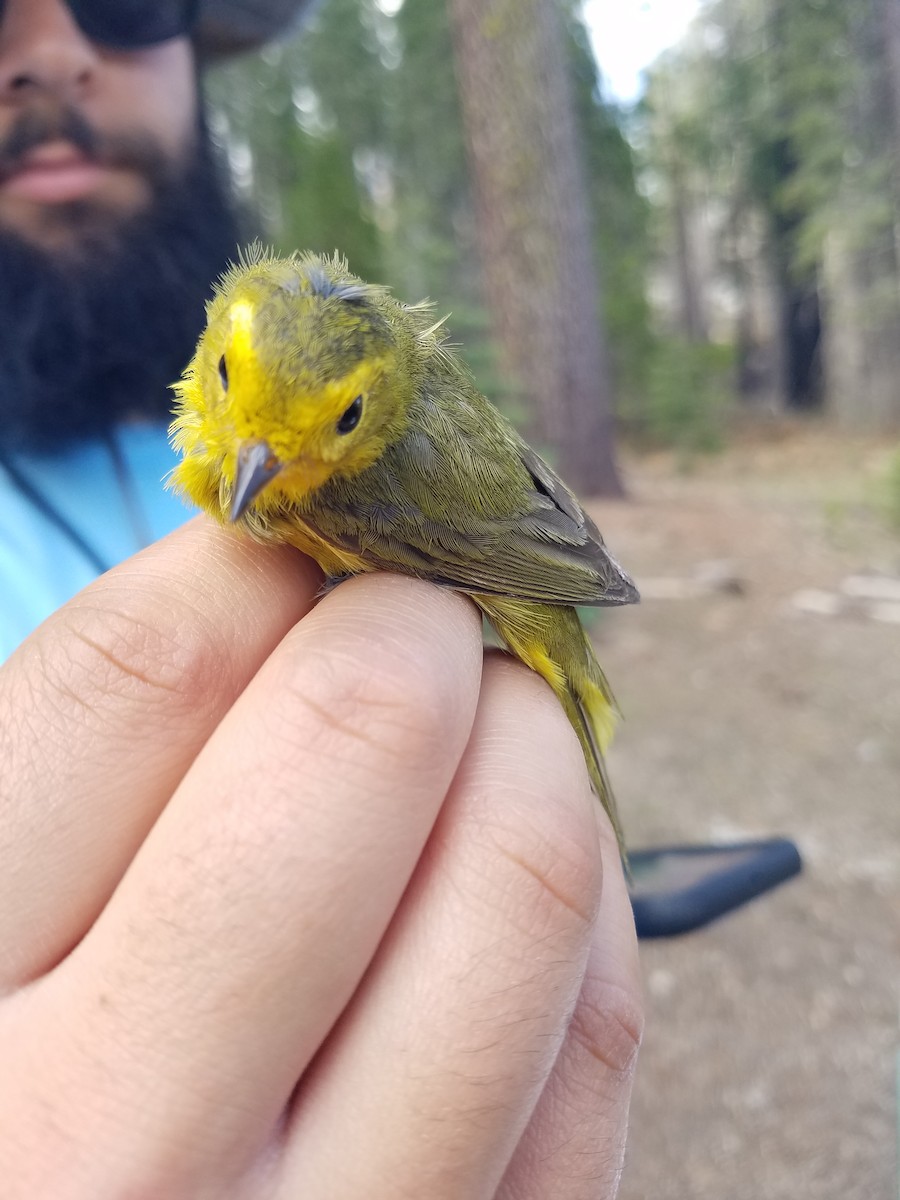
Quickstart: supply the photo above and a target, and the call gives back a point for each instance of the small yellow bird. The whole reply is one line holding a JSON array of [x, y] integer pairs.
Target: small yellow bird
[[320, 411]]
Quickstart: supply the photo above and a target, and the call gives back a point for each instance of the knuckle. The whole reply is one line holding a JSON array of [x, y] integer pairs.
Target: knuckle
[[381, 701], [553, 871], [608, 1024], [130, 651]]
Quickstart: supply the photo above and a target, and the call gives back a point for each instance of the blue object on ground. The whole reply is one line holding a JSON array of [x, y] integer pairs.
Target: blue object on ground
[[675, 889]]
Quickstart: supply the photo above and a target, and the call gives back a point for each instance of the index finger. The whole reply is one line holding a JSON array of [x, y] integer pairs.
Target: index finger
[[106, 705]]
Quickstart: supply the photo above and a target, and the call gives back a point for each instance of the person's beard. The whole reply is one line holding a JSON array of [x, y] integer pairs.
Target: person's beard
[[94, 335]]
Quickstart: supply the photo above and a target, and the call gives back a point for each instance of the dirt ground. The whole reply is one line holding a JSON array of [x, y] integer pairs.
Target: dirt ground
[[768, 1069]]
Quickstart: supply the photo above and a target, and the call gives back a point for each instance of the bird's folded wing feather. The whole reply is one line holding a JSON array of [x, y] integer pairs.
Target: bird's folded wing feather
[[494, 519]]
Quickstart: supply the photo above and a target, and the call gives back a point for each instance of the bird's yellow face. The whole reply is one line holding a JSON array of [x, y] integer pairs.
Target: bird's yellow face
[[295, 380]]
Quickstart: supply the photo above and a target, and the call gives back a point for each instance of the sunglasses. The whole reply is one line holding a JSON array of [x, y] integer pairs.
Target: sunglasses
[[131, 24]]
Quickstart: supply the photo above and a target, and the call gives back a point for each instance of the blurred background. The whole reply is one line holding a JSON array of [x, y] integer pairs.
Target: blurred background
[[668, 235]]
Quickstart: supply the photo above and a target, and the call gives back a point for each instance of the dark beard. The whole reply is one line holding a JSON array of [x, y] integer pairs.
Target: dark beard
[[95, 336]]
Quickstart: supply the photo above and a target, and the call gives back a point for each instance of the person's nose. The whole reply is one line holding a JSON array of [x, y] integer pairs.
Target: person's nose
[[42, 50]]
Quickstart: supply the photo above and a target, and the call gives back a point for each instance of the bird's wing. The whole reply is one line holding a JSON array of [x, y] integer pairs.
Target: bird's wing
[[494, 519]]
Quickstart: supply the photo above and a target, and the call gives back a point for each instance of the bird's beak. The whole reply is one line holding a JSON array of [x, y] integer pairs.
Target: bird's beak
[[256, 466]]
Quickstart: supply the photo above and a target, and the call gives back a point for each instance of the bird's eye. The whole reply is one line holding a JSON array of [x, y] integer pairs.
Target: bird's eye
[[350, 419], [223, 373]]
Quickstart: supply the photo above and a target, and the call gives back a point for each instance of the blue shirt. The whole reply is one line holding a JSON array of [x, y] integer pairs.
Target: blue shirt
[[116, 510]]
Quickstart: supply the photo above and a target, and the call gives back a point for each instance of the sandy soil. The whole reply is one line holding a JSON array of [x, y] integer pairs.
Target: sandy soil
[[769, 1061]]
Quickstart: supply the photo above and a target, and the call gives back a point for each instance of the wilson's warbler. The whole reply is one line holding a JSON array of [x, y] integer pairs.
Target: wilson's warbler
[[320, 411]]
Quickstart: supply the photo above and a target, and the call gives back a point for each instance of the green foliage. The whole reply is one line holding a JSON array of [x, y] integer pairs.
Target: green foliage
[[322, 208], [776, 79], [621, 217], [434, 224], [303, 141], [688, 398], [775, 129]]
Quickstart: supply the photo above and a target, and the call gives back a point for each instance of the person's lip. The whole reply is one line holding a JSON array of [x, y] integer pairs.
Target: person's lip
[[54, 173]]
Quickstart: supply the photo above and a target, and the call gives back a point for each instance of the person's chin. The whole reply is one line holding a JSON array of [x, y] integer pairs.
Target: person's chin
[[59, 213]]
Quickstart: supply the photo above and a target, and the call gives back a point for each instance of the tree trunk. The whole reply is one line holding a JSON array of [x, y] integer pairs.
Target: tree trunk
[[798, 317], [798, 334], [534, 227], [862, 260]]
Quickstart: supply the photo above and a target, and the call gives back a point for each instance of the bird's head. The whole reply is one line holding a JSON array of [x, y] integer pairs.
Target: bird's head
[[299, 376]]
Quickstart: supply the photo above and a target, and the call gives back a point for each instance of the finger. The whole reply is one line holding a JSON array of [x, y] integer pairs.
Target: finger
[[259, 897], [574, 1146], [106, 704], [434, 1071]]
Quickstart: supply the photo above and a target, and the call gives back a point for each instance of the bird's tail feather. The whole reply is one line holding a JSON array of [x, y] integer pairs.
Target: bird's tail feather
[[551, 640]]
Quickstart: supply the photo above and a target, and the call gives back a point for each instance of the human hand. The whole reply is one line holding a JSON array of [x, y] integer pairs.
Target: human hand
[[300, 901]]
